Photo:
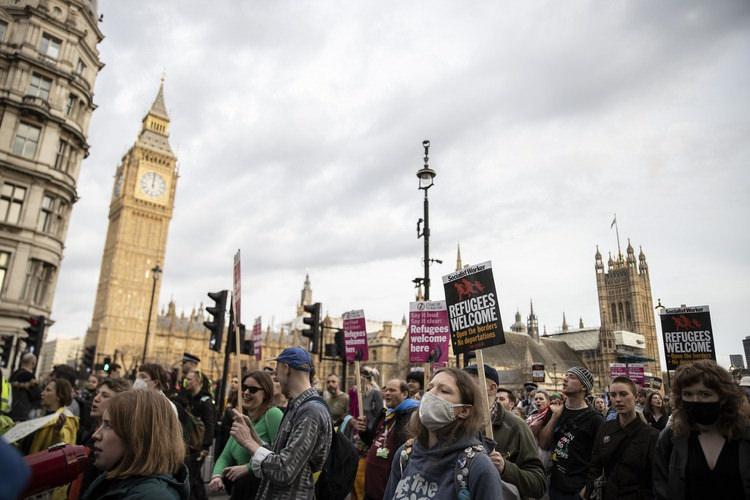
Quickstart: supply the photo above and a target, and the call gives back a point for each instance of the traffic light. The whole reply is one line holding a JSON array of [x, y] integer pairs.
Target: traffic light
[[216, 325], [6, 345], [246, 346], [35, 333], [313, 333], [107, 365], [340, 346], [88, 358]]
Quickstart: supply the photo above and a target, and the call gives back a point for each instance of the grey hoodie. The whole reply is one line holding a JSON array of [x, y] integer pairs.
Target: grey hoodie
[[430, 474]]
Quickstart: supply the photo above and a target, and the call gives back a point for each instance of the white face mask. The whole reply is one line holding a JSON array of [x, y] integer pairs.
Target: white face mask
[[435, 413], [140, 385]]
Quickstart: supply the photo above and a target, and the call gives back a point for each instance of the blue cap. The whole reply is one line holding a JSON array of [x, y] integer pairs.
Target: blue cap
[[297, 358]]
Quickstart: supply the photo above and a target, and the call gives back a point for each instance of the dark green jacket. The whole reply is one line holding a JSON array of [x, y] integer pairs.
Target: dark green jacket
[[141, 487], [523, 468]]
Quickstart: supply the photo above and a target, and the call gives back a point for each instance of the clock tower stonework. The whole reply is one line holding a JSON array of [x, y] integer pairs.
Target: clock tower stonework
[[139, 215]]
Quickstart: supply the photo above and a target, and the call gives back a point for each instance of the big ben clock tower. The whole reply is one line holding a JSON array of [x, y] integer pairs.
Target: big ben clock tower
[[139, 215]]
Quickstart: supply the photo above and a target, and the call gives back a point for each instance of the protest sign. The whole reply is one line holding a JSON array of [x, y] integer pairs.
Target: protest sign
[[23, 429], [473, 309], [687, 335], [355, 336], [618, 370], [429, 332], [537, 372], [237, 288], [636, 373]]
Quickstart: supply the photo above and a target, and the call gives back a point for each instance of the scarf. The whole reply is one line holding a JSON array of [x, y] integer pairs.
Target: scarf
[[403, 406]]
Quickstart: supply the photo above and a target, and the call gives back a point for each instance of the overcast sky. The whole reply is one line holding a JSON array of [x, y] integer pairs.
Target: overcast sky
[[298, 129]]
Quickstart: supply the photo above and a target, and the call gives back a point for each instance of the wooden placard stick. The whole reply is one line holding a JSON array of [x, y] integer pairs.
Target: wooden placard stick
[[427, 375], [358, 382], [237, 353], [485, 405]]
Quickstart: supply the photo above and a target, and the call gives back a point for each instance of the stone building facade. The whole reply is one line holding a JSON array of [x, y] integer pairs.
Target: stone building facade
[[49, 62]]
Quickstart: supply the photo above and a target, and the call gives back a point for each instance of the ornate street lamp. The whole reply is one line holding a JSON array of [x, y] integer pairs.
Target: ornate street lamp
[[426, 176], [155, 272]]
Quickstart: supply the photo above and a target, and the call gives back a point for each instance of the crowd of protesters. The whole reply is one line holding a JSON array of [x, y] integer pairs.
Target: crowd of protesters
[[287, 434]]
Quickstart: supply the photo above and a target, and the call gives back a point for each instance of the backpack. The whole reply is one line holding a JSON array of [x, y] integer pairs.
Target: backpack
[[336, 479], [460, 471], [193, 429]]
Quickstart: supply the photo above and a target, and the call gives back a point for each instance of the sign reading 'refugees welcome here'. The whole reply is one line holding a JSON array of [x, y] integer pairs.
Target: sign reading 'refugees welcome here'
[[473, 308]]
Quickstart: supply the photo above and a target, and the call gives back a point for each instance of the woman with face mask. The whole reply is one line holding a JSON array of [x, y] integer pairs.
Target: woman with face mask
[[705, 451], [139, 449], [153, 377], [445, 460]]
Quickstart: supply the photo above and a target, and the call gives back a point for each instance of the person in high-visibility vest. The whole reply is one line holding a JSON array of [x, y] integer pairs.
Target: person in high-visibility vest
[[6, 401]]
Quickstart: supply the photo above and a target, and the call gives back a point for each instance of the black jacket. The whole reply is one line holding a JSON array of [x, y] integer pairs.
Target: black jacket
[[202, 407], [625, 455], [671, 459]]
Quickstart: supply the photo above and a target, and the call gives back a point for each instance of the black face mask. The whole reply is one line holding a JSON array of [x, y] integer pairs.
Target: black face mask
[[702, 413]]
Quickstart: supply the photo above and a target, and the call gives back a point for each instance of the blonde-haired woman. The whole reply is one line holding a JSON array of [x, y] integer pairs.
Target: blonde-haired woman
[[139, 447]]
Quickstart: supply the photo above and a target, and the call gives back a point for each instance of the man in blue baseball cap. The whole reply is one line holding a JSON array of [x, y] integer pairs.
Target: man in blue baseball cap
[[304, 437]]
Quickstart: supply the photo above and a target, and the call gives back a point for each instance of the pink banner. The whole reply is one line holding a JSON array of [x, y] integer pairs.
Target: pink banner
[[635, 373], [429, 332], [237, 289], [618, 370], [355, 336], [257, 339]]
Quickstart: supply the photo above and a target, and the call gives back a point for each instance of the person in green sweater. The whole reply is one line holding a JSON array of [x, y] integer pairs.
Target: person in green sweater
[[234, 462]]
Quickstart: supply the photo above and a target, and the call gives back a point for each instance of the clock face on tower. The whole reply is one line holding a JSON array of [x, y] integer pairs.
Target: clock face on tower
[[153, 184]]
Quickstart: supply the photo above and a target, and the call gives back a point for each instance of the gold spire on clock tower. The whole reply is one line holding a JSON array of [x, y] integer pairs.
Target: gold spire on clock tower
[[139, 215]]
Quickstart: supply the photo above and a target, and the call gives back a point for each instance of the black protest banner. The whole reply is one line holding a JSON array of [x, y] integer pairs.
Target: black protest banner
[[473, 308], [687, 335]]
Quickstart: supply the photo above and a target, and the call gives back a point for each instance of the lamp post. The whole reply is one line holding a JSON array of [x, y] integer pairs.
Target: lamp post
[[426, 175], [155, 272]]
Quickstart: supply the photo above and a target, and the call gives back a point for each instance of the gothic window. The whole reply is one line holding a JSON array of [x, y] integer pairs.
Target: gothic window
[[50, 46], [39, 87], [613, 310], [11, 202], [4, 265], [628, 313], [620, 310], [27, 140], [38, 281], [3, 30]]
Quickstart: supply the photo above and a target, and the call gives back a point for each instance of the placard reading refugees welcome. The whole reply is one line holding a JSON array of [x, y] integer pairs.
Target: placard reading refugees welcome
[[473, 308], [429, 332], [687, 335], [355, 336]]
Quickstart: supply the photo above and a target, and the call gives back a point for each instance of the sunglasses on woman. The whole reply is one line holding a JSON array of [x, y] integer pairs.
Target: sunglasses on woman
[[251, 388]]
